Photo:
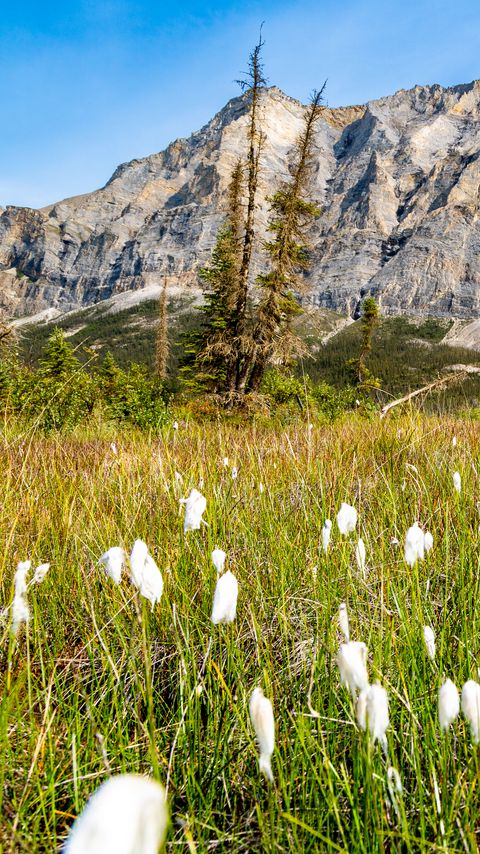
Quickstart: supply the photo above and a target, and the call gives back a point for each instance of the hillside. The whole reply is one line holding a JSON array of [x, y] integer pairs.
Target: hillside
[[397, 181]]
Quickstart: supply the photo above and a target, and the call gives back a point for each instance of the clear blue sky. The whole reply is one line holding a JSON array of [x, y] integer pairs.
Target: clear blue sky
[[88, 84]]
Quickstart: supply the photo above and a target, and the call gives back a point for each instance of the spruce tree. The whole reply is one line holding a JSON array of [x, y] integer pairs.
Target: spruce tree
[[291, 214], [161, 344]]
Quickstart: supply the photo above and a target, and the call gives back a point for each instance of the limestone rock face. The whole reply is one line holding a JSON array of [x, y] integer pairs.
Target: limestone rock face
[[397, 181]]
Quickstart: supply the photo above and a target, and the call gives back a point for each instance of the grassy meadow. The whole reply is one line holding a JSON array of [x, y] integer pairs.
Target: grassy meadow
[[96, 684]]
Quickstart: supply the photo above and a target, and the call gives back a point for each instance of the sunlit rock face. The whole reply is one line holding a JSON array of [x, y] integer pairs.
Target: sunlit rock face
[[397, 181]]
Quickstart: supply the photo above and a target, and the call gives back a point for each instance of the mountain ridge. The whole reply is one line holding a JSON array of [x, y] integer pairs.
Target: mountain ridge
[[397, 180]]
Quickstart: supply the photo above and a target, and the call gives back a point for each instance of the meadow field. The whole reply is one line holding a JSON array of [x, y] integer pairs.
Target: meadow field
[[96, 683]]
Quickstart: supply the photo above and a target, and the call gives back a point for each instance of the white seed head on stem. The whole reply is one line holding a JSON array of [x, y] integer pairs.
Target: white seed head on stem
[[113, 560], [261, 716], [346, 519], [145, 573], [429, 638], [360, 555], [128, 813], [40, 573], [225, 599], [195, 506], [218, 558], [326, 534], [352, 664], [343, 621], [457, 482], [377, 714], [414, 545], [471, 707], [448, 704], [428, 542]]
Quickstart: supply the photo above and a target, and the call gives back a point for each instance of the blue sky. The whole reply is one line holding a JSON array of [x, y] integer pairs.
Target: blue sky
[[89, 84]]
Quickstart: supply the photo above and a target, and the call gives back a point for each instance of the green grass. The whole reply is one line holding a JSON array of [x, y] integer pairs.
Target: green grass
[[98, 684]]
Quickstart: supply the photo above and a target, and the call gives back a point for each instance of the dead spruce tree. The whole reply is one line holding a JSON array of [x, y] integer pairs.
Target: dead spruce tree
[[161, 344]]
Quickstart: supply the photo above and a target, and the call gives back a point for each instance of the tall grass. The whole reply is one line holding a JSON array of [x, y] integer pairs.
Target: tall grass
[[97, 684]]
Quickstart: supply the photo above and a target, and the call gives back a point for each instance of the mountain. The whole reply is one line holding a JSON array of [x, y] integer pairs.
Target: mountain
[[397, 181]]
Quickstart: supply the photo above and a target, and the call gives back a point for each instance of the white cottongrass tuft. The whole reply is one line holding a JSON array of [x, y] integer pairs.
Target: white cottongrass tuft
[[457, 481], [195, 506], [20, 610], [343, 621], [234, 473], [360, 555], [261, 716], [448, 704], [128, 813], [40, 573], [113, 448], [326, 534], [377, 714], [218, 558], [429, 638], [352, 664], [175, 425], [145, 573], [454, 441], [225, 462], [113, 561], [428, 542], [225, 599], [414, 545], [346, 518], [471, 707]]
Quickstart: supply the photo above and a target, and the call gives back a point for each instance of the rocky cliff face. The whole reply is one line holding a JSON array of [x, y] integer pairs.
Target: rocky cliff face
[[397, 181]]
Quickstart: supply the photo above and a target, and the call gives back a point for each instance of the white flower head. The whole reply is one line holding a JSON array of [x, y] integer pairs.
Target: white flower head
[[225, 462], [457, 481], [429, 638], [448, 704], [428, 542], [113, 561], [145, 573], [377, 714], [454, 441], [261, 716], [20, 612], [225, 599], [352, 664], [234, 473], [471, 707], [40, 573], [346, 518], [360, 555], [21, 572], [195, 506], [343, 621], [219, 557], [127, 813], [175, 425], [414, 545], [113, 448], [178, 477], [326, 534]]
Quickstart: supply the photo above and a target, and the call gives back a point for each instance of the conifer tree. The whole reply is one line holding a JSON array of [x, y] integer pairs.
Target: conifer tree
[[291, 214], [161, 344]]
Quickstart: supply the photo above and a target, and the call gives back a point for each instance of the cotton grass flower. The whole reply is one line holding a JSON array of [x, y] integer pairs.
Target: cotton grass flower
[[414, 545], [326, 534], [234, 473], [113, 560], [360, 555], [145, 573], [471, 707], [225, 462], [261, 716], [218, 558], [457, 481], [126, 815], [448, 704], [346, 519], [20, 610], [225, 599], [377, 717], [428, 542], [352, 664], [195, 506], [40, 573], [343, 621], [429, 638]]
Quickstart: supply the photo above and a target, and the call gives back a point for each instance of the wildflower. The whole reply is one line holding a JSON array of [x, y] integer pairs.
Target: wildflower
[[145, 573], [471, 707], [40, 573], [429, 638], [346, 518], [20, 610], [377, 714], [127, 813], [326, 534], [343, 621], [218, 557], [457, 481], [414, 545], [225, 599], [428, 541], [195, 506], [352, 660], [360, 555], [448, 704], [234, 473], [113, 561], [261, 716]]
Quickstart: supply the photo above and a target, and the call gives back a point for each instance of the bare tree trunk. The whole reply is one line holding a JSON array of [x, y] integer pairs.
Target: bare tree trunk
[[161, 347]]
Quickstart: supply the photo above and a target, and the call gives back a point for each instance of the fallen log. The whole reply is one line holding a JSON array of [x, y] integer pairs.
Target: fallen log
[[435, 384]]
